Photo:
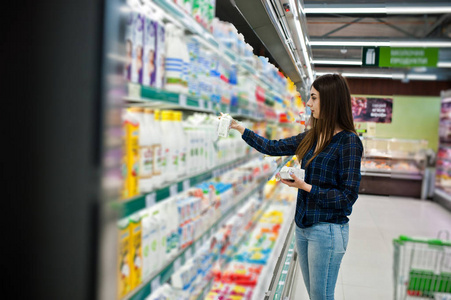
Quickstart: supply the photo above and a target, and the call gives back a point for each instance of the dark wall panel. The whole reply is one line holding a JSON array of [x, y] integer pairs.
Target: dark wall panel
[[396, 87]]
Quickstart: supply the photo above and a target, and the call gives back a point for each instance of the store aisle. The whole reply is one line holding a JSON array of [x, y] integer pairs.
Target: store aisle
[[367, 268]]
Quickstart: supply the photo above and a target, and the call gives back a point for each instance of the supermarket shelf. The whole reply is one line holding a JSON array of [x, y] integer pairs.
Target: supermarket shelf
[[159, 98], [133, 205], [145, 289], [262, 285], [283, 272], [442, 197], [234, 248], [393, 175], [175, 14]]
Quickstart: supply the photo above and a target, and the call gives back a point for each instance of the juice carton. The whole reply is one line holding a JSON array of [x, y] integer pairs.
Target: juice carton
[[135, 250], [131, 125], [124, 262]]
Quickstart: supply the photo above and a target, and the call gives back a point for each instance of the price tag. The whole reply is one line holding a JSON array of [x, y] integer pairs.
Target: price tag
[[177, 264], [186, 184], [228, 109], [173, 190], [188, 254], [134, 90], [182, 100], [284, 272], [155, 284], [240, 111], [150, 199], [282, 283], [210, 105], [201, 103], [195, 246]]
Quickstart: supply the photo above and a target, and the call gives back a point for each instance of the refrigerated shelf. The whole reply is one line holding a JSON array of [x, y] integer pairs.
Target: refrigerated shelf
[[154, 281], [129, 207]]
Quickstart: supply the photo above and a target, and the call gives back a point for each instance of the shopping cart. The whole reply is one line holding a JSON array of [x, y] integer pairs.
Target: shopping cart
[[422, 268]]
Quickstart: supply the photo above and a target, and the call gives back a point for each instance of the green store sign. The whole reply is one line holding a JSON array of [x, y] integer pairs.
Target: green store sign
[[399, 57]]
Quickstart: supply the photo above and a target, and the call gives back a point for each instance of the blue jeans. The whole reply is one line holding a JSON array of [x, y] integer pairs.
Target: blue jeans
[[320, 249]]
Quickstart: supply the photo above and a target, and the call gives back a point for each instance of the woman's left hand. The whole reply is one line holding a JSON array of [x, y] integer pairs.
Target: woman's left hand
[[297, 183]]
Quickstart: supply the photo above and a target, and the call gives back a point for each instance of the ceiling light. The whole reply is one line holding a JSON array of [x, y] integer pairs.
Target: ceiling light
[[400, 76], [348, 43], [444, 64], [337, 62], [422, 76], [378, 43], [376, 9], [367, 75]]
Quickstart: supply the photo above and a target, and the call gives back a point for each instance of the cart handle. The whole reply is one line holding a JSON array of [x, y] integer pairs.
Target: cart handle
[[434, 242]]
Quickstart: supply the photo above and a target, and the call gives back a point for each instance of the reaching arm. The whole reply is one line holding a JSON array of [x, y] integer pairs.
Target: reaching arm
[[286, 146]]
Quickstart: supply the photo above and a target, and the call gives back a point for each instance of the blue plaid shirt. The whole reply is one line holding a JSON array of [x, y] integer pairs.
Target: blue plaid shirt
[[334, 175]]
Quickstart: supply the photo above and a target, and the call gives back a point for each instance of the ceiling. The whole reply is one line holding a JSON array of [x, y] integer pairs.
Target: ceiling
[[331, 20]]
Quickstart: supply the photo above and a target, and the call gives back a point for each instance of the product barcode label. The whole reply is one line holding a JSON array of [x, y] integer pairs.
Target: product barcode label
[[150, 199], [173, 190], [155, 284], [177, 264], [201, 103], [134, 90], [186, 185], [182, 100]]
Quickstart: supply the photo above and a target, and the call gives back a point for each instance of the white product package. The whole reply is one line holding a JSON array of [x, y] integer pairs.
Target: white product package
[[224, 125], [286, 171]]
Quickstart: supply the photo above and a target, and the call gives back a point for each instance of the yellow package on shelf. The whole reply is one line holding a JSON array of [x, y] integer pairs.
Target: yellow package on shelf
[[135, 251], [131, 125], [124, 262]]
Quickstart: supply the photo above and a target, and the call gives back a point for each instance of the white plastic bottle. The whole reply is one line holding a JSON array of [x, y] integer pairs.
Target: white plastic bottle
[[174, 60], [146, 155], [155, 141], [183, 44], [160, 159], [183, 143], [176, 144], [170, 144]]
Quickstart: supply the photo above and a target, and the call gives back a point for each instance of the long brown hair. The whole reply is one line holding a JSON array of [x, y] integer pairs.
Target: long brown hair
[[335, 109]]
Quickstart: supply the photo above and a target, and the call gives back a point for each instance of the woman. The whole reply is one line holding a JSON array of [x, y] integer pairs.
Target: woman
[[330, 153]]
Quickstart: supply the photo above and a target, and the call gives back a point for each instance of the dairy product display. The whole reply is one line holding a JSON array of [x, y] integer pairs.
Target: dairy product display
[[195, 233]]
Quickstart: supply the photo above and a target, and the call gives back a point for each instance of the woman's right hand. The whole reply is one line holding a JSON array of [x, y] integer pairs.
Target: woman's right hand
[[235, 125]]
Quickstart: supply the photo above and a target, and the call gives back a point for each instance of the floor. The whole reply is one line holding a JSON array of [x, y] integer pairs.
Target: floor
[[367, 268]]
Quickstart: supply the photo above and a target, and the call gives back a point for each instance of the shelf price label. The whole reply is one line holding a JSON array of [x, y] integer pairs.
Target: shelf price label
[[155, 284], [173, 190], [150, 199], [182, 100], [240, 111], [228, 109], [186, 185], [177, 264], [188, 253], [134, 90], [210, 105], [201, 103]]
